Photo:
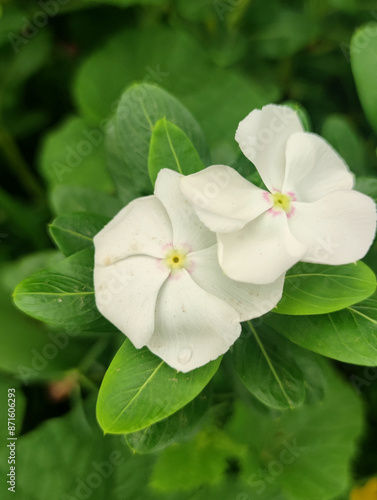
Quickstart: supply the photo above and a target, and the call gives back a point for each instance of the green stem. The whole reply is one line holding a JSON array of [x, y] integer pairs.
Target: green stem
[[92, 355], [17, 164], [259, 342]]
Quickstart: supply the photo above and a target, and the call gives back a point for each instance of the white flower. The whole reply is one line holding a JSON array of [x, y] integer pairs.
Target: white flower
[[157, 278], [310, 212]]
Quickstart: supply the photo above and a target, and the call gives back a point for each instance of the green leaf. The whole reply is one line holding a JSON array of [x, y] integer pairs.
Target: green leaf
[[339, 131], [171, 148], [122, 174], [363, 57], [30, 352], [139, 109], [75, 232], [74, 153], [186, 71], [349, 335], [15, 271], [368, 186], [319, 289], [68, 199], [180, 426], [191, 465], [139, 390], [275, 371], [62, 295], [311, 447]]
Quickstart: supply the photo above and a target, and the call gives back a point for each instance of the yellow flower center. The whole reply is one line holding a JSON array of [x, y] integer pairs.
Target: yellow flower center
[[282, 201], [176, 259]]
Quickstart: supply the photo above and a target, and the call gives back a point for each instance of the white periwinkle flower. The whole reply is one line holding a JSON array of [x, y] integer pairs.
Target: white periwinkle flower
[[309, 212], [157, 278]]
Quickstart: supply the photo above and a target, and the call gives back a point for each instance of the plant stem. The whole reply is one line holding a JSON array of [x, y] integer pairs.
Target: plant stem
[[17, 165]]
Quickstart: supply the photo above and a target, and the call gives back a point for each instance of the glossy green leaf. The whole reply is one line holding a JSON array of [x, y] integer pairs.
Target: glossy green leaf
[[68, 199], [363, 53], [139, 390], [305, 452], [75, 232], [139, 109], [349, 335], [180, 426], [319, 289], [74, 154], [62, 295], [171, 148], [277, 372], [14, 272]]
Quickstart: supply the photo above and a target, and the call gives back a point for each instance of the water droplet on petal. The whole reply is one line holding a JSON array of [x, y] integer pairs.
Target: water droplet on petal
[[185, 355]]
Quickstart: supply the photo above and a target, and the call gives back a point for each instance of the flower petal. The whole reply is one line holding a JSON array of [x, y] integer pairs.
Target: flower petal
[[126, 294], [193, 327], [262, 137], [223, 199], [140, 228], [249, 300], [313, 168], [260, 252], [337, 229], [188, 230]]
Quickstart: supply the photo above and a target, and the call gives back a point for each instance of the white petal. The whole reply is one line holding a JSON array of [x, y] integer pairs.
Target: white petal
[[313, 168], [262, 137], [188, 230], [140, 228], [192, 326], [223, 199], [260, 252], [249, 300], [126, 294], [337, 229]]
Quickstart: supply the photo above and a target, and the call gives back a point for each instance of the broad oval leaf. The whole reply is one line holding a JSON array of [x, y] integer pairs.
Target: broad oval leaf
[[363, 62], [68, 199], [62, 295], [178, 427], [171, 148], [319, 289], [277, 372], [139, 389], [349, 335], [74, 232], [139, 109]]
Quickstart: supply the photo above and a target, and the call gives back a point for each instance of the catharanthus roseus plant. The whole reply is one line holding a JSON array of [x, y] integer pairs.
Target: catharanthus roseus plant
[[198, 268]]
